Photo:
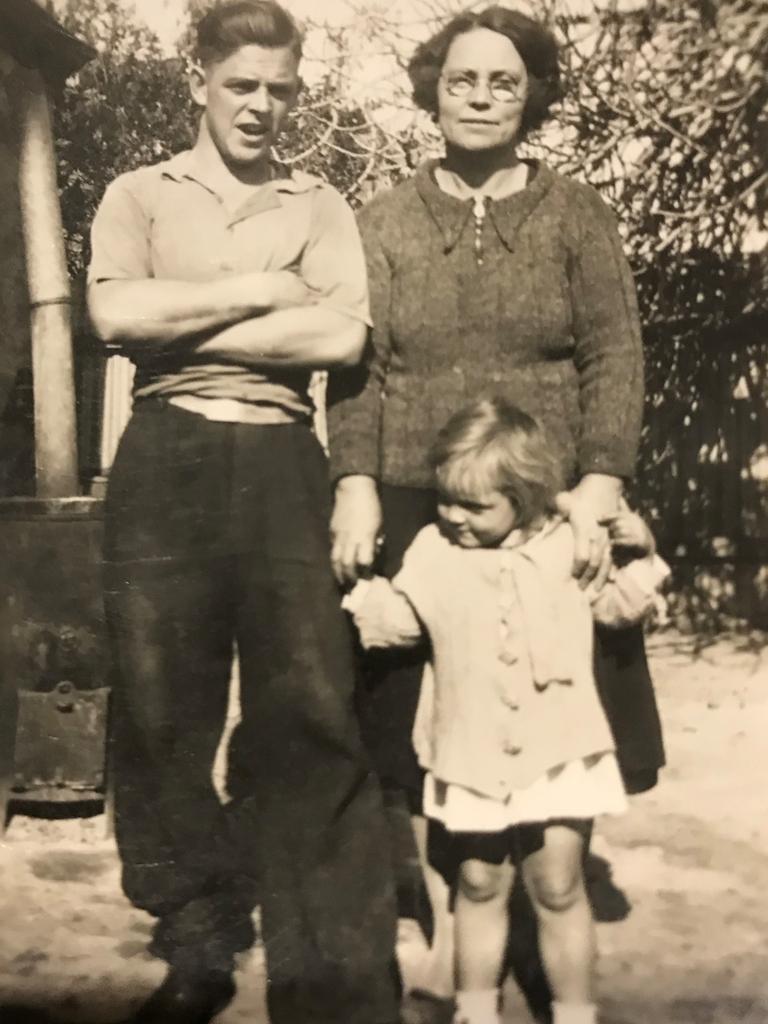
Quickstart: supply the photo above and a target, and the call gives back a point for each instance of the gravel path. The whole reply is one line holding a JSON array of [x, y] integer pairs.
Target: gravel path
[[680, 882]]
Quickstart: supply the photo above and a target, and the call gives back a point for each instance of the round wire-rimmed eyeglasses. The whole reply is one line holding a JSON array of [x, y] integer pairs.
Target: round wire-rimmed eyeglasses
[[502, 88]]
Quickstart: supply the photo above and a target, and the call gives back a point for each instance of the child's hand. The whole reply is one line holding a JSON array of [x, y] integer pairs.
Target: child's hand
[[627, 529], [383, 616]]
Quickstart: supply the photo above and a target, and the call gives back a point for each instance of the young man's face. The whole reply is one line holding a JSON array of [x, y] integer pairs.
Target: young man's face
[[246, 98]]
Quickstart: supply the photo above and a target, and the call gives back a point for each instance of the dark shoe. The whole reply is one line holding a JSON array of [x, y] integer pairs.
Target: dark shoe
[[422, 1007], [187, 997]]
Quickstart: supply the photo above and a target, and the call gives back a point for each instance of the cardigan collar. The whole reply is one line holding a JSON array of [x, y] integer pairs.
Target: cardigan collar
[[507, 215]]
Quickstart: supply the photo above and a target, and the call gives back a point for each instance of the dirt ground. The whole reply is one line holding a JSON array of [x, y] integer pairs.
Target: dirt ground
[[680, 882]]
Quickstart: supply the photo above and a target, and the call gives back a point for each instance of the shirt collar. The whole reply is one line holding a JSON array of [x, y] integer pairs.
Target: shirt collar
[[507, 215], [285, 180], [528, 541], [187, 164]]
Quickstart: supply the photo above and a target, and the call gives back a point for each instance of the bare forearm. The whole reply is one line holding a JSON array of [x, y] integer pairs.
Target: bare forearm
[[308, 337], [158, 314]]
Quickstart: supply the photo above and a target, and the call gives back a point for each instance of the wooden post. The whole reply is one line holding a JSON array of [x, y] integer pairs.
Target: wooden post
[[49, 292], [116, 411]]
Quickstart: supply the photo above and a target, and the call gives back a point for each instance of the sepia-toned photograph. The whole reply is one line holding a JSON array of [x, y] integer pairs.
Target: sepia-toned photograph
[[383, 511]]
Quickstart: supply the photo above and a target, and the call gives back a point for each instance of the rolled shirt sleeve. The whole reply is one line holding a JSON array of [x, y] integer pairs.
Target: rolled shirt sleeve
[[333, 262], [120, 234]]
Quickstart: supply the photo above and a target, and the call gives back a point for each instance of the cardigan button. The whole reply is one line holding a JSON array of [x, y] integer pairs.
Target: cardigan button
[[512, 750]]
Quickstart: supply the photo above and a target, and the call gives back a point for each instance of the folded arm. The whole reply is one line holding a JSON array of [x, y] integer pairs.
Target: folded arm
[[309, 337], [154, 315]]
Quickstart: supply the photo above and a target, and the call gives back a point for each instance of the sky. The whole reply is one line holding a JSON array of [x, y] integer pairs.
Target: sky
[[372, 77], [165, 17], [371, 29]]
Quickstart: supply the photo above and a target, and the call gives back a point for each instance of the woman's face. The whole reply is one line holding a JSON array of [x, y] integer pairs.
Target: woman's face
[[481, 92]]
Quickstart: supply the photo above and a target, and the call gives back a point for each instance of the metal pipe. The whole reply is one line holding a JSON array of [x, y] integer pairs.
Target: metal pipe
[[49, 291]]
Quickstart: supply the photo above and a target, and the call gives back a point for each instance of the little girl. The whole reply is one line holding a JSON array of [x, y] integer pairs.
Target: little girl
[[518, 754]]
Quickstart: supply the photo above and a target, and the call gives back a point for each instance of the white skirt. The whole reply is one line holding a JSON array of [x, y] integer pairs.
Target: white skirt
[[578, 789]]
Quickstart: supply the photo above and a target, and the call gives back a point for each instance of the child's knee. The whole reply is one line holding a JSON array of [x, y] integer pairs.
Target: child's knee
[[557, 890], [480, 882]]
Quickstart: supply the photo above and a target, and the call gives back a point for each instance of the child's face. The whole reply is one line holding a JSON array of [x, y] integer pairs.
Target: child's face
[[477, 521]]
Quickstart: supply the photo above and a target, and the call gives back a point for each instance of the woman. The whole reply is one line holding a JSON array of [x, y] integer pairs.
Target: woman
[[489, 274]]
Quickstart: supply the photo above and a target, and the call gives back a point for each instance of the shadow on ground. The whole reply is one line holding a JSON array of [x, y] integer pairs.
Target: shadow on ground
[[14, 1013], [609, 902], [27, 1015], [18, 1013], [609, 905]]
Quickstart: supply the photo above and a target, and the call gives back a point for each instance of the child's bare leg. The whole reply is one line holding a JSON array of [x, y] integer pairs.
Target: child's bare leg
[[554, 878], [437, 976], [481, 923]]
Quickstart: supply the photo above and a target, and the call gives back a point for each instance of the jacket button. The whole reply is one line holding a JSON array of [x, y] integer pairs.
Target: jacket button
[[512, 750]]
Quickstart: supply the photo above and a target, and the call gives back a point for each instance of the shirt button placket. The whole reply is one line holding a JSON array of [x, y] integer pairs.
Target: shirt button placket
[[227, 264]]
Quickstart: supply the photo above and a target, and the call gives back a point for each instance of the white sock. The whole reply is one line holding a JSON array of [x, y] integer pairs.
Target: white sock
[[478, 1006], [574, 1013]]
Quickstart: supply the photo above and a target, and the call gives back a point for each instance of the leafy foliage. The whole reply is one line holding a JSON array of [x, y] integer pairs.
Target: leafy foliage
[[131, 107], [665, 112], [128, 107]]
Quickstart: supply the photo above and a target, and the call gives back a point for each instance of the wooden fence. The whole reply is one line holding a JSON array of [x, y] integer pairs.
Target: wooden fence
[[702, 478]]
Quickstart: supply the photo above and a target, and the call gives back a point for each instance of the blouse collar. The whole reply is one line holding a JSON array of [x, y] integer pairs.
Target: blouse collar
[[507, 215]]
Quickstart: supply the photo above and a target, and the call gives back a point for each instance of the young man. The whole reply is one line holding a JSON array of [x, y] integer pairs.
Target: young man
[[228, 279]]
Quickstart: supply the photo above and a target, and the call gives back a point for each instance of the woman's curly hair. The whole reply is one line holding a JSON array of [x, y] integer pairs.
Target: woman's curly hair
[[535, 44]]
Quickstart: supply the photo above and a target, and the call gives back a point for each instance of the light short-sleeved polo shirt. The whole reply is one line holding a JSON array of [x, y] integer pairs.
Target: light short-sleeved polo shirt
[[165, 221]]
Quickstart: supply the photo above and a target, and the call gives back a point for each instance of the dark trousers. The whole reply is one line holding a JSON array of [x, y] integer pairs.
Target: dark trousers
[[217, 534]]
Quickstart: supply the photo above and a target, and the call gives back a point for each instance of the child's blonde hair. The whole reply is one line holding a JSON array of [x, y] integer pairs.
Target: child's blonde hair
[[491, 445]]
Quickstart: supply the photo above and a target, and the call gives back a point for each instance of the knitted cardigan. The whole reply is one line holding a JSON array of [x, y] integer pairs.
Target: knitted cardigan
[[548, 319]]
